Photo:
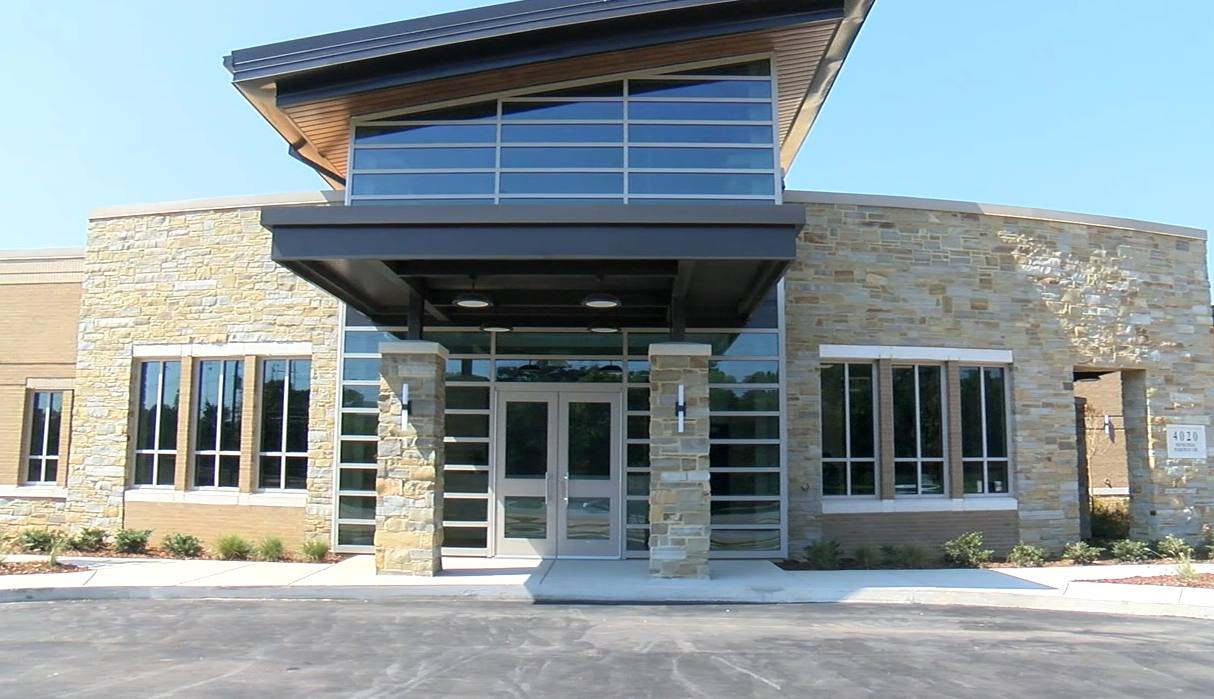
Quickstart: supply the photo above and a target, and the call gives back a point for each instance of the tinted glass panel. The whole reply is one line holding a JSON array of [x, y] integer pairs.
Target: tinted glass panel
[[467, 398], [361, 370], [614, 89], [744, 456], [355, 507], [740, 345], [930, 409], [834, 478], [559, 371], [407, 135], [466, 481], [405, 185], [467, 370], [355, 535], [465, 537], [971, 411], [700, 111], [525, 518], [467, 425], [860, 395], [638, 484], [701, 133], [905, 414], [996, 409], [701, 183], [573, 111], [741, 399], [357, 479], [562, 183], [462, 342], [834, 422], [536, 158], [526, 440], [638, 399], [745, 512], [149, 404], [638, 539], [743, 427], [360, 424], [565, 133], [467, 454], [726, 371], [745, 484], [588, 519], [358, 452], [589, 432], [170, 399], [702, 158], [745, 539], [359, 396], [717, 89], [424, 158], [465, 510], [367, 342], [638, 510], [564, 344], [863, 479], [638, 456]]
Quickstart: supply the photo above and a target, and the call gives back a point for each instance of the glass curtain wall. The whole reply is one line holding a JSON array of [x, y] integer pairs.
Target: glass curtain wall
[[745, 426], [706, 135]]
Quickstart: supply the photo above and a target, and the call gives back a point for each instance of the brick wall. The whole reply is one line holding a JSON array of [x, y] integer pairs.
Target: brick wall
[[1106, 453], [1000, 529], [209, 522]]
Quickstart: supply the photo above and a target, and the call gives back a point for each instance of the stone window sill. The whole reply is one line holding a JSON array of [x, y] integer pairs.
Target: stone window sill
[[218, 497], [967, 504], [33, 492]]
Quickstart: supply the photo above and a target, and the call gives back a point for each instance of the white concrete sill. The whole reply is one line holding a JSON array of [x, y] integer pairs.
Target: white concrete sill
[[33, 492], [874, 506], [217, 497]]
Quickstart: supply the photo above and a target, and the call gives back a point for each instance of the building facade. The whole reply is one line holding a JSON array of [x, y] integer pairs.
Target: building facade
[[560, 304]]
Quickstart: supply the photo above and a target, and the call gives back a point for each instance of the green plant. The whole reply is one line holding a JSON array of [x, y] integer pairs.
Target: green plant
[[269, 549], [823, 554], [182, 545], [907, 556], [1207, 542], [57, 547], [315, 550], [867, 556], [132, 540], [39, 540], [966, 550], [1129, 551], [1026, 556], [1081, 553], [233, 547], [1184, 568], [1174, 547], [88, 540], [1110, 519]]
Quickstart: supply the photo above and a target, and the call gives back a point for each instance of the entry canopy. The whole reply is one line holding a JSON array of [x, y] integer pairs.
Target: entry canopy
[[309, 89], [536, 265]]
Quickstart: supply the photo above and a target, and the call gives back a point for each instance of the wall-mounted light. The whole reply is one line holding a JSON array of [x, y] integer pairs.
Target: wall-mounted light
[[680, 408], [406, 406]]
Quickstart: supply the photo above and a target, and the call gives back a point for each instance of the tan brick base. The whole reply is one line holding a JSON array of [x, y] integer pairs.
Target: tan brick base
[[1000, 529], [209, 522]]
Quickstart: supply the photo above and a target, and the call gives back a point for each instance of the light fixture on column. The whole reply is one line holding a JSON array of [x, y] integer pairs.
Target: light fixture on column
[[600, 299], [680, 408], [472, 299]]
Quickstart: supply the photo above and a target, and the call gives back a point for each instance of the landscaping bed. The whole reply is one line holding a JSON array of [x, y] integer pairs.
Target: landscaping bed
[[1205, 580], [36, 567]]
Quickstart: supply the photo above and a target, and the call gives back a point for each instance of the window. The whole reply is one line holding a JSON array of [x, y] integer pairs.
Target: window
[[707, 135], [918, 430], [849, 465], [46, 409], [156, 431], [984, 429], [218, 422], [286, 389]]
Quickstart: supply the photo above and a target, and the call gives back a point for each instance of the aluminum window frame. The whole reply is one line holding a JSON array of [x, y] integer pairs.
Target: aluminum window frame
[[919, 459], [157, 453], [986, 460], [217, 453], [527, 95], [850, 461], [43, 457], [282, 454]]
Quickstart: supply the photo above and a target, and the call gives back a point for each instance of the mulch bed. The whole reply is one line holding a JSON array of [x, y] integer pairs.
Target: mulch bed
[[34, 567], [1205, 580]]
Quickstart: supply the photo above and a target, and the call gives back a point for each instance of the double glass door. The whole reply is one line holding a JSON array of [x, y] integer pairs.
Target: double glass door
[[558, 471]]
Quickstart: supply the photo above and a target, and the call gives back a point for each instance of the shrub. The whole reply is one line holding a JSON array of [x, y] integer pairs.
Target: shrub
[[1184, 568], [1026, 556], [233, 547], [907, 556], [132, 540], [182, 545], [867, 556], [269, 549], [1207, 542], [1110, 518], [88, 540], [823, 554], [1129, 551], [39, 540], [58, 546], [1081, 553], [1174, 547], [966, 550], [315, 550]]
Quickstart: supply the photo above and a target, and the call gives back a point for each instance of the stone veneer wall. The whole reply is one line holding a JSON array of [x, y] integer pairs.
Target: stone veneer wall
[[202, 277], [1058, 295]]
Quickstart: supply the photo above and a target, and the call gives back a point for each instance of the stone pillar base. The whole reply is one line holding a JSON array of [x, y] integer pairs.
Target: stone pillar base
[[409, 506], [679, 490]]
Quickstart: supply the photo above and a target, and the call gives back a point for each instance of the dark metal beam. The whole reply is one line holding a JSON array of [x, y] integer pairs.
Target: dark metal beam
[[531, 268]]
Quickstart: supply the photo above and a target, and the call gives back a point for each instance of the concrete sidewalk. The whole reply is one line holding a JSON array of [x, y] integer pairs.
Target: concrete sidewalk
[[570, 581]]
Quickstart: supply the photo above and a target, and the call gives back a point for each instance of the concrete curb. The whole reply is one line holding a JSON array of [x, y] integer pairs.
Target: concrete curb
[[431, 593]]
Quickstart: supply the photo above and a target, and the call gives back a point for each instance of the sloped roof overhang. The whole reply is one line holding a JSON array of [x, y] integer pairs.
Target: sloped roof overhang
[[669, 265], [309, 89]]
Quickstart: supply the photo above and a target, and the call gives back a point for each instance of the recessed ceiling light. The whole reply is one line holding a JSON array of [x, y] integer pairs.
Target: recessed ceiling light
[[601, 300], [473, 300]]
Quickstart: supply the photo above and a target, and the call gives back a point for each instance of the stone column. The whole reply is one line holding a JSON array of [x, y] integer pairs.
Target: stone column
[[409, 509], [679, 488]]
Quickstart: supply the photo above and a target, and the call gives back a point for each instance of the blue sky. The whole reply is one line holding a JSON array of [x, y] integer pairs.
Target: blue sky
[[1096, 106]]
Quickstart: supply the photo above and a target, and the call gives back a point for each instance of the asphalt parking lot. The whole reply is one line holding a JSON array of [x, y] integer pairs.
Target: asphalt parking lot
[[139, 649]]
